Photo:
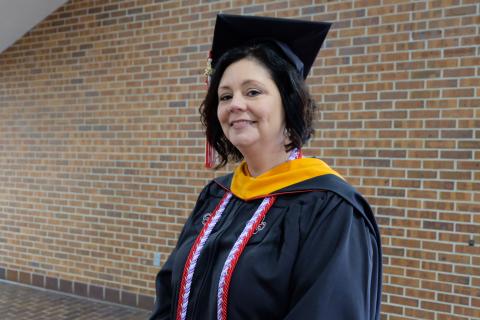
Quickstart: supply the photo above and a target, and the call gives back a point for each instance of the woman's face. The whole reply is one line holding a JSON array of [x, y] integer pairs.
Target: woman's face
[[250, 107]]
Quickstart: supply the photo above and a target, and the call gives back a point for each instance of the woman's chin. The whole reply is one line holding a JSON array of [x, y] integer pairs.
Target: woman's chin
[[244, 140], [243, 145]]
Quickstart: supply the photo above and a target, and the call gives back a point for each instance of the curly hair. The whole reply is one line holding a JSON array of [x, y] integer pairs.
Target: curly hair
[[297, 104]]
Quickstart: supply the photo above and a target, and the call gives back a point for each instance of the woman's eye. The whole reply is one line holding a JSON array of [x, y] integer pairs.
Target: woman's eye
[[253, 93], [225, 97]]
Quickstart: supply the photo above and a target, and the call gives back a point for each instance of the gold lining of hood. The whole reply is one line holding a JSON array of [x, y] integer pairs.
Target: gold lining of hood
[[286, 174]]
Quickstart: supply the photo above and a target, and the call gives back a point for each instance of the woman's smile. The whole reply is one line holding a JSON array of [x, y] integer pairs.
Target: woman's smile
[[240, 124]]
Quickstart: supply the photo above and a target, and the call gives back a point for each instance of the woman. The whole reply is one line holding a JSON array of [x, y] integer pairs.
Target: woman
[[282, 237]]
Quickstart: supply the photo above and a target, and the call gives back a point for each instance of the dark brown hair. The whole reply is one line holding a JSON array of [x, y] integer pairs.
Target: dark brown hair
[[296, 101]]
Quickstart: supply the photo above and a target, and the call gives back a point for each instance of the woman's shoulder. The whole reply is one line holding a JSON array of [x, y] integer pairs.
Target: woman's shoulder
[[329, 194], [216, 187]]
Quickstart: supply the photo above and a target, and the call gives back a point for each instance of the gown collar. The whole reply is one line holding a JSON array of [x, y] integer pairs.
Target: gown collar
[[285, 175]]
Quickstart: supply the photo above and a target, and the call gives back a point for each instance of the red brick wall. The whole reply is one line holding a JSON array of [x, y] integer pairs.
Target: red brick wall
[[101, 149]]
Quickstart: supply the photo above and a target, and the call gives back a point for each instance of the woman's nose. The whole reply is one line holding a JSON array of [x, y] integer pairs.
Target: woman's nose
[[237, 103]]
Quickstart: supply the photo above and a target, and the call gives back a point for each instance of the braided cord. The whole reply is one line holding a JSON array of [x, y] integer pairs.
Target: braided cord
[[234, 255], [195, 251], [239, 246]]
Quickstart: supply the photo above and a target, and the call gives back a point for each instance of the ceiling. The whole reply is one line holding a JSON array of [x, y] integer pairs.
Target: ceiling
[[17, 17]]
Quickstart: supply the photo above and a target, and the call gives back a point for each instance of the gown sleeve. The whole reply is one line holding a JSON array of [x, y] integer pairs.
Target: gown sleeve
[[163, 282], [163, 286], [336, 274]]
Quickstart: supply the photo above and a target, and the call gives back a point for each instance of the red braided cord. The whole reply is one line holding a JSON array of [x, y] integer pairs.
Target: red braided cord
[[190, 256], [185, 273], [228, 278]]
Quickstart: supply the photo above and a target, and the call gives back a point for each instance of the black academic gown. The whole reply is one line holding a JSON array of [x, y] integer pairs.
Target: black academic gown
[[318, 256]]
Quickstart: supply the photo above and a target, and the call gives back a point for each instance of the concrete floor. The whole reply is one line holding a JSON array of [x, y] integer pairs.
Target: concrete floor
[[19, 302]]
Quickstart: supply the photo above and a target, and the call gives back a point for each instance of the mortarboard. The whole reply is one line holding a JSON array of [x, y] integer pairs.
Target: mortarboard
[[299, 40]]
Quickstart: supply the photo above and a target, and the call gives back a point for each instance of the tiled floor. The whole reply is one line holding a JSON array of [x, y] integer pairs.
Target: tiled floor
[[18, 302]]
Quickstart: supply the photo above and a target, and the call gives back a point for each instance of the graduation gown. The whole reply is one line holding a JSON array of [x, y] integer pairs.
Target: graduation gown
[[316, 255]]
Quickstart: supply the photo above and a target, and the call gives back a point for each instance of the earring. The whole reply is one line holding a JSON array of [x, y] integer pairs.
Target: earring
[[286, 134]]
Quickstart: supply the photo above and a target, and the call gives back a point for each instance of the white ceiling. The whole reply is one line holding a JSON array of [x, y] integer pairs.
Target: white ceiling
[[17, 17]]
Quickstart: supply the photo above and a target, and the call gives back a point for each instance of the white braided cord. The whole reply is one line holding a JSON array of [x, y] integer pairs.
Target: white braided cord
[[228, 263], [196, 254]]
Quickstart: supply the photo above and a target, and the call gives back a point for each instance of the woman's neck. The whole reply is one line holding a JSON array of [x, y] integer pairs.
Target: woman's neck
[[261, 162]]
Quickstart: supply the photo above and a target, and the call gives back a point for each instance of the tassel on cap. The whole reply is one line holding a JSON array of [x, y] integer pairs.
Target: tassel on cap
[[210, 156]]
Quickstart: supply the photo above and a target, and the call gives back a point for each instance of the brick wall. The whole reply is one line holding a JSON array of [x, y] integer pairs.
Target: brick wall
[[101, 149]]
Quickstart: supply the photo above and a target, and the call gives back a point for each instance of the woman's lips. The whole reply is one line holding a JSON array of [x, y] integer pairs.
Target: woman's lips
[[239, 124]]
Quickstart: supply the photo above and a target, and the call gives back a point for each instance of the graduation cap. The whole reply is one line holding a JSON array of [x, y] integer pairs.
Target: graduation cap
[[299, 40]]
